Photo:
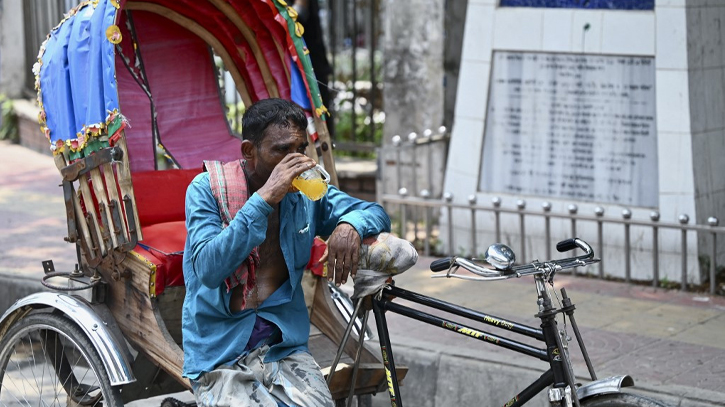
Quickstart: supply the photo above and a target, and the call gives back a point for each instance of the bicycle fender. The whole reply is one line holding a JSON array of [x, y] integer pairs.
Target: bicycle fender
[[612, 384], [96, 329]]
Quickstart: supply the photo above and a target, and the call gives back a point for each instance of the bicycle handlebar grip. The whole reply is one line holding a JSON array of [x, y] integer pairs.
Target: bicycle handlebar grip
[[441, 264], [566, 245]]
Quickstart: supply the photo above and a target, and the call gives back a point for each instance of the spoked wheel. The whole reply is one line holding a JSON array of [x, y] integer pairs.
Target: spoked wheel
[[620, 400], [46, 360]]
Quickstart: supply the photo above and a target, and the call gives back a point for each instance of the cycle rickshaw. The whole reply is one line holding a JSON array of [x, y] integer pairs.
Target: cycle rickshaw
[[131, 103]]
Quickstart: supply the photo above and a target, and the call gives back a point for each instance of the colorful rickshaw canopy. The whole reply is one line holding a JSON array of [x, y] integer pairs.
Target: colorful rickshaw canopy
[[106, 56]]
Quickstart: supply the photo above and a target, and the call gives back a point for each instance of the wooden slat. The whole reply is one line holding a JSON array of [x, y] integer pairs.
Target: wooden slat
[[103, 206], [85, 234], [204, 35], [371, 378], [123, 172], [111, 184], [327, 158], [90, 207], [232, 15], [80, 221]]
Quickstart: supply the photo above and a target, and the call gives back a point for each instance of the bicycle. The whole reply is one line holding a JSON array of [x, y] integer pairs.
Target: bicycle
[[563, 390]]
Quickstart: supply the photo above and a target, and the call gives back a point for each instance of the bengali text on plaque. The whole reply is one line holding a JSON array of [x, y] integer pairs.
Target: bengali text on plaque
[[579, 127]]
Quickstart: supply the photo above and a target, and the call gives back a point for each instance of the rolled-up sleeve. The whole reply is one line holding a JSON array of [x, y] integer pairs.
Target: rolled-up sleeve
[[368, 218]]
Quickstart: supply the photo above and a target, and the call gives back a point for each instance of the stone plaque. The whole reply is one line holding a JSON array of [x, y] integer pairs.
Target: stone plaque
[[579, 127]]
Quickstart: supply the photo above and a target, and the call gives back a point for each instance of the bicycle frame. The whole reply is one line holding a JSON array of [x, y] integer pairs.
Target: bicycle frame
[[558, 374]]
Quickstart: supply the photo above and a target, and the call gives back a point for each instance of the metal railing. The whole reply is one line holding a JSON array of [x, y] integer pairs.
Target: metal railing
[[352, 32], [446, 204]]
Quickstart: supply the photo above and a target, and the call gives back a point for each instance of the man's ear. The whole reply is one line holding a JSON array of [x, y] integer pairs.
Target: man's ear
[[248, 150]]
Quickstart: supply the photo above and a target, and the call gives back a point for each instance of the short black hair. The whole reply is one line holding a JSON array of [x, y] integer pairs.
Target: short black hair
[[263, 113]]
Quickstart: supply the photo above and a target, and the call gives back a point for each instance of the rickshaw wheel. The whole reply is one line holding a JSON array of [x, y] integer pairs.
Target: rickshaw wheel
[[47, 360]]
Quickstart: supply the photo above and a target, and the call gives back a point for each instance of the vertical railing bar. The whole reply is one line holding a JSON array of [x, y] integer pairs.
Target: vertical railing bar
[[547, 228], [713, 221], [599, 212], [403, 192], [627, 214], [472, 202], [448, 198], [412, 138], [655, 217], [572, 211], [713, 265], [521, 205], [398, 170], [497, 217], [427, 215], [683, 277]]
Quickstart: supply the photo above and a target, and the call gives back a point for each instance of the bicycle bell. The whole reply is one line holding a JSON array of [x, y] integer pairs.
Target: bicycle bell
[[500, 256]]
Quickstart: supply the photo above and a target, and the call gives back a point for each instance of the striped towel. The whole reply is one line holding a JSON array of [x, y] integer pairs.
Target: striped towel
[[229, 187]]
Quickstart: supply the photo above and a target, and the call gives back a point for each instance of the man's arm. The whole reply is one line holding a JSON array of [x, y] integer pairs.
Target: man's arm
[[352, 220], [215, 252]]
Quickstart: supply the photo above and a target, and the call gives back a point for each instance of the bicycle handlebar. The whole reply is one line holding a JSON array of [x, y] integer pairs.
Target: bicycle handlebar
[[487, 274]]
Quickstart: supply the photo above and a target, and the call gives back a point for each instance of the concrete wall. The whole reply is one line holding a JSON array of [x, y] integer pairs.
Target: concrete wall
[[413, 67], [686, 42], [706, 74], [12, 58]]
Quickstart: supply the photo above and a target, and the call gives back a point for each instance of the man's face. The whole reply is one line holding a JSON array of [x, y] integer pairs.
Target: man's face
[[278, 141]]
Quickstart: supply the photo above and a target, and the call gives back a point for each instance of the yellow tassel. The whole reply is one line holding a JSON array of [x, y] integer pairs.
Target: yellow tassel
[[292, 13]]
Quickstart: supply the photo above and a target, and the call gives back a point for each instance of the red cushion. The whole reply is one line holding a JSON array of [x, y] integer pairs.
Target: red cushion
[[165, 241], [160, 195]]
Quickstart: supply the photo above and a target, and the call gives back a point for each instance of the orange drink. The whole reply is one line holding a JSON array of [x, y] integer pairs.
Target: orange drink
[[313, 182], [314, 188]]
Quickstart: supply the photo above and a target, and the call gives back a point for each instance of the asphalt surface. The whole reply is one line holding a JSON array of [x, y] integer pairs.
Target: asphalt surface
[[672, 343]]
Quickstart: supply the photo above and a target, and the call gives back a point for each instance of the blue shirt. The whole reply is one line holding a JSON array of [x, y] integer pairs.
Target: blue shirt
[[213, 334]]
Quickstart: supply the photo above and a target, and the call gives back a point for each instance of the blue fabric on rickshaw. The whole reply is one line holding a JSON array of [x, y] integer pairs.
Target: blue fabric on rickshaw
[[77, 72]]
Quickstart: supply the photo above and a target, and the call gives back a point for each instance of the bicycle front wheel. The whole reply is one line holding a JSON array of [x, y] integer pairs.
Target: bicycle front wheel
[[620, 400], [47, 360]]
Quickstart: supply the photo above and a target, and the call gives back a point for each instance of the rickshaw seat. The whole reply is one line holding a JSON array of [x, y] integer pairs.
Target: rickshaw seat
[[160, 195], [160, 199], [165, 242]]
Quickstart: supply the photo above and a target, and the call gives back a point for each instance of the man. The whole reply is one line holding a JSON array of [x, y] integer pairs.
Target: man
[[245, 323]]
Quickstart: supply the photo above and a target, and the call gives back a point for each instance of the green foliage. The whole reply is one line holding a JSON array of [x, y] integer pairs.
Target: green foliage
[[360, 95], [234, 116], [666, 283], [8, 120]]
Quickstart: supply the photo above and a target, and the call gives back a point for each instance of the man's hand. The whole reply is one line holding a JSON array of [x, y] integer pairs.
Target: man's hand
[[342, 253], [280, 180]]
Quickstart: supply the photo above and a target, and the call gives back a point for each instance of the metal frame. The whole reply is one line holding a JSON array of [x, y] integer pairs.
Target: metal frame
[[554, 376], [558, 375], [114, 356]]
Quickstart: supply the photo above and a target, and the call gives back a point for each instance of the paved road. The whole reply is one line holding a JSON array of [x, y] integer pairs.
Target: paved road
[[673, 343]]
